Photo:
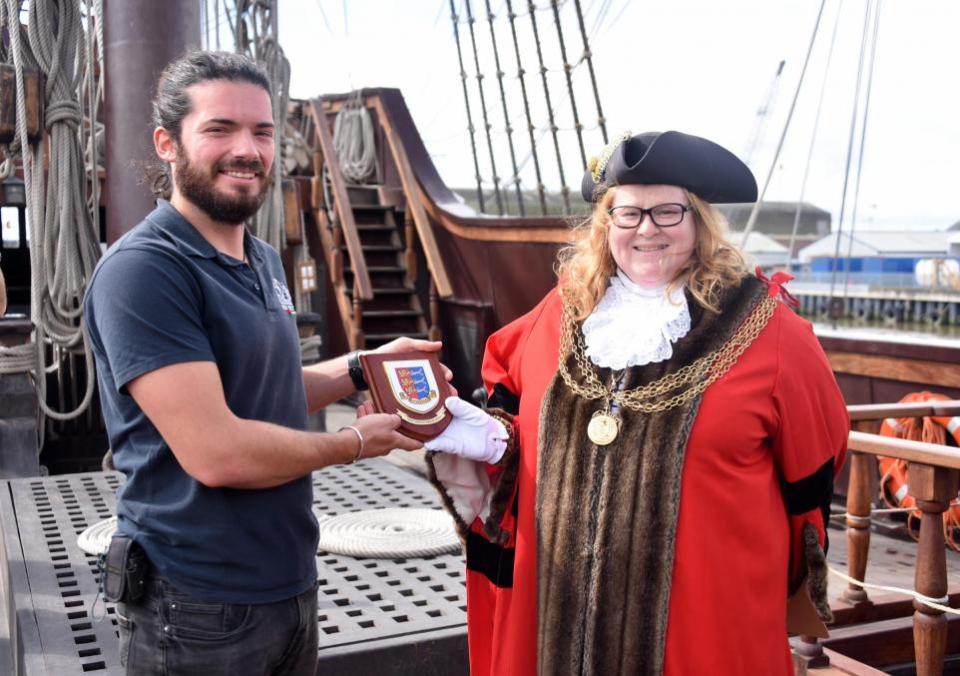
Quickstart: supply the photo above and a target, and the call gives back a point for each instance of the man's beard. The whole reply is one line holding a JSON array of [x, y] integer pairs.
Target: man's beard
[[197, 187]]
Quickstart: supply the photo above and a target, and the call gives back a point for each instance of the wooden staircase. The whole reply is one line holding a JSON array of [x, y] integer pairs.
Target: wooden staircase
[[370, 246], [395, 309]]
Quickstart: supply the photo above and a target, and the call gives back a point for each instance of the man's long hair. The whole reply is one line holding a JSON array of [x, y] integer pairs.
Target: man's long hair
[[172, 101], [586, 265]]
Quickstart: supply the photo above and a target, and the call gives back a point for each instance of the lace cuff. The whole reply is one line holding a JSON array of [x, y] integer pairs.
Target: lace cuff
[[470, 489]]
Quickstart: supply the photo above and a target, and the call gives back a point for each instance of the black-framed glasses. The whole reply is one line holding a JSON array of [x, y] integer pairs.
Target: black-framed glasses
[[662, 215]]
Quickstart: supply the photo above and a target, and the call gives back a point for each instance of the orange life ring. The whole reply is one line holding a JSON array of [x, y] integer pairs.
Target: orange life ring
[[893, 472]]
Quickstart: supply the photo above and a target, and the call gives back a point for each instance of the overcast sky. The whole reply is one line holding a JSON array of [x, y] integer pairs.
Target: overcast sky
[[699, 66]]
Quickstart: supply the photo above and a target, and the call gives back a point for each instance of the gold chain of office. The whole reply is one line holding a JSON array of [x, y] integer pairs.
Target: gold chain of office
[[699, 375]]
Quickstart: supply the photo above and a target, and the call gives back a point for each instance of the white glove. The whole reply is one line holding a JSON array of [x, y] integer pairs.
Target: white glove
[[472, 434]]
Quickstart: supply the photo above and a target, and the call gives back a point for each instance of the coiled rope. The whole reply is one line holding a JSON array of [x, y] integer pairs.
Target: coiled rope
[[389, 533], [21, 358], [353, 140], [374, 533], [255, 34], [64, 242], [96, 539]]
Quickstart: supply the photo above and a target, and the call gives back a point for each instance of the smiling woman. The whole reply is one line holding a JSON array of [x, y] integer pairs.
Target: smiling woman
[[654, 245], [653, 233], [658, 386]]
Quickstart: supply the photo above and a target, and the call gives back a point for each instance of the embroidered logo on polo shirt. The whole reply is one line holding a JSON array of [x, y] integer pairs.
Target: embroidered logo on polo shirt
[[283, 296]]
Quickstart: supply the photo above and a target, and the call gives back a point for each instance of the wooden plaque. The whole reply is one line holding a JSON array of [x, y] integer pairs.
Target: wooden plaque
[[410, 384]]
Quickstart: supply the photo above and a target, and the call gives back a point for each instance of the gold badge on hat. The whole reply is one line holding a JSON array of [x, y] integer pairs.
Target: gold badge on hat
[[598, 163]]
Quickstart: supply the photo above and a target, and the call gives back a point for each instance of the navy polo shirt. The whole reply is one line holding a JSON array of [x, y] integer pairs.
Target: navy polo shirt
[[163, 295]]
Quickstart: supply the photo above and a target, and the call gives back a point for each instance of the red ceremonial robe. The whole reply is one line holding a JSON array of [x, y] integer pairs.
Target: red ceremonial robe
[[760, 460]]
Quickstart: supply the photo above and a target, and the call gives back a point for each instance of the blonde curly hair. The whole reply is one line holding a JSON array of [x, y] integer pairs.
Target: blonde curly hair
[[586, 265]]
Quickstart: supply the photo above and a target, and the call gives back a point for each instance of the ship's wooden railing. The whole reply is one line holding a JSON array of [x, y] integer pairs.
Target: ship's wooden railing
[[342, 230], [934, 475], [440, 281], [416, 220]]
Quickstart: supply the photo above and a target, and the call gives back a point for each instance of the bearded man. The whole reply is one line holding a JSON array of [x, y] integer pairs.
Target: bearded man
[[206, 402]]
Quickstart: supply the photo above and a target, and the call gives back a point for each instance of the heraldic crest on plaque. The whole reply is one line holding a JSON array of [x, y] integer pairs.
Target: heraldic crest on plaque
[[411, 385]]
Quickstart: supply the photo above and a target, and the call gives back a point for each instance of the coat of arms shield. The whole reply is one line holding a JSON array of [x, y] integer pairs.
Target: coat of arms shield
[[413, 384]]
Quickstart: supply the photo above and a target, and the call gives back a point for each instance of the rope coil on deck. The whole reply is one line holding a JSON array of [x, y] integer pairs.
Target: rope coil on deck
[[374, 533], [96, 539], [389, 533]]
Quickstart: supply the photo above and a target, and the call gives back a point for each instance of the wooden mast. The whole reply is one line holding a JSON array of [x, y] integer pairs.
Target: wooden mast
[[140, 38]]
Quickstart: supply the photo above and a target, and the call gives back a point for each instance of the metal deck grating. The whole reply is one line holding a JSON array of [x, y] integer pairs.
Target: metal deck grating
[[387, 601], [406, 613]]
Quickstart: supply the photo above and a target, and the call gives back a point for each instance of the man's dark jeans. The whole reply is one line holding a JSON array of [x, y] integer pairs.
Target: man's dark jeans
[[168, 633]]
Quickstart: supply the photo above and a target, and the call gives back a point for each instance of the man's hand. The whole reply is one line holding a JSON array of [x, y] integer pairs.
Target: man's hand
[[405, 344], [329, 380], [380, 435]]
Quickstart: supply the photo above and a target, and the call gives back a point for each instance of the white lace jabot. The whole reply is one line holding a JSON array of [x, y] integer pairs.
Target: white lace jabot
[[633, 326]]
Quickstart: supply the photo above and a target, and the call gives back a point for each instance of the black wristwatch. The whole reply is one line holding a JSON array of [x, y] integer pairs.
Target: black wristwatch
[[356, 371]]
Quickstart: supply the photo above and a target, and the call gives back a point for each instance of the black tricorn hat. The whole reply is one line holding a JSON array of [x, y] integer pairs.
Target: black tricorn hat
[[706, 169]]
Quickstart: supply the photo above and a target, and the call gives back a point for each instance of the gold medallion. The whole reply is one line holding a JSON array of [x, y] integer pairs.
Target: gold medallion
[[603, 428]]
